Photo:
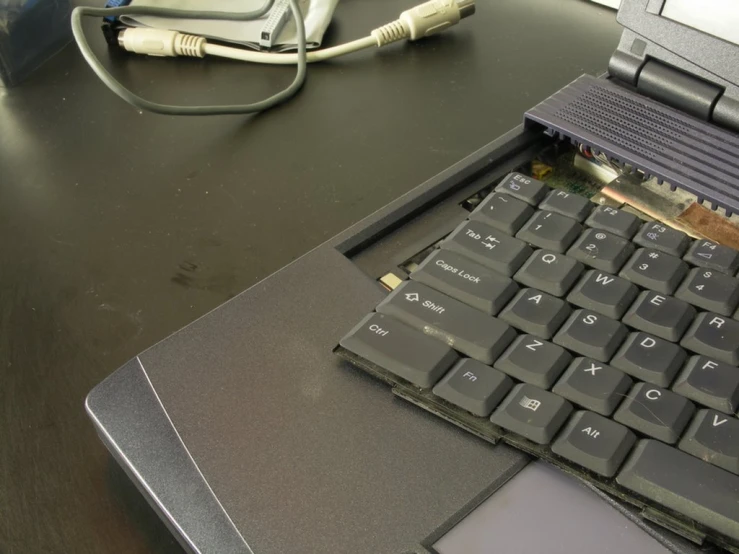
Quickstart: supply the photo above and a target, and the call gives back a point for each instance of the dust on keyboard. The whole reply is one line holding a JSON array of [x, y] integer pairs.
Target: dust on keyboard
[[581, 334]]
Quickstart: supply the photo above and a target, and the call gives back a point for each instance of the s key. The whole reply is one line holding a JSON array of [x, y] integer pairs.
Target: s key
[[592, 335]]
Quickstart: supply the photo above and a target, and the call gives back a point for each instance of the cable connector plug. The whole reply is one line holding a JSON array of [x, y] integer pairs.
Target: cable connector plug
[[160, 42], [424, 20]]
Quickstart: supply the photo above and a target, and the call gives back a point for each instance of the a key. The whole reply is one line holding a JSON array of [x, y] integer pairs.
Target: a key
[[691, 487], [593, 385], [391, 345], [660, 315], [603, 293], [714, 336], [503, 212], [710, 290], [662, 238], [655, 270], [524, 188], [714, 438], [711, 383], [549, 272], [595, 443], [655, 411], [468, 282], [591, 334], [474, 386], [536, 312], [567, 204], [650, 359], [618, 222], [601, 250], [534, 361], [708, 254], [550, 231], [532, 413], [470, 331], [488, 247]]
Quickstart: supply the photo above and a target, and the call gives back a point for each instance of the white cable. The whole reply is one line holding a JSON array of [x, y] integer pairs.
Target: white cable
[[288, 59], [421, 21]]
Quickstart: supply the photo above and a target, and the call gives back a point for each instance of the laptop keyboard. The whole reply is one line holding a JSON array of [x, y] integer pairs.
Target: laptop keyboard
[[585, 336]]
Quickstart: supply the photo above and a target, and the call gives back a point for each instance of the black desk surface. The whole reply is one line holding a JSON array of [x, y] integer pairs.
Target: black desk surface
[[118, 228]]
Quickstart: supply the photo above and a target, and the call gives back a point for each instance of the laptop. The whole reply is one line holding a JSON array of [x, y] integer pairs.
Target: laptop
[[472, 368]]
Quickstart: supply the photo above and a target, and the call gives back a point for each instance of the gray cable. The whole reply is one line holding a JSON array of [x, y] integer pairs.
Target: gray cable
[[143, 104]]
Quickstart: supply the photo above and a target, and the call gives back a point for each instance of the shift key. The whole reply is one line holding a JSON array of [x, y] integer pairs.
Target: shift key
[[465, 329]]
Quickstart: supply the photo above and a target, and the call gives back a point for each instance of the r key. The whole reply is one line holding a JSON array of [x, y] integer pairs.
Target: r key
[[714, 336]]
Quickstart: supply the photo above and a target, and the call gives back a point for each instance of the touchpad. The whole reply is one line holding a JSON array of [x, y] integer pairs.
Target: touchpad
[[545, 510]]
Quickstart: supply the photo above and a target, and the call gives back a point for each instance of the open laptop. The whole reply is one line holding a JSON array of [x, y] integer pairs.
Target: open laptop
[[268, 426]]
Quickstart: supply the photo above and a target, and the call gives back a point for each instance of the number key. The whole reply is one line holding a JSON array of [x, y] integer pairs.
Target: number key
[[568, 204], [663, 238], [705, 253], [550, 230], [655, 270], [601, 250], [711, 290]]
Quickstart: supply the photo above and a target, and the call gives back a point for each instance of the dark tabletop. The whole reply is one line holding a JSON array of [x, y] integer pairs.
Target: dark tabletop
[[118, 228]]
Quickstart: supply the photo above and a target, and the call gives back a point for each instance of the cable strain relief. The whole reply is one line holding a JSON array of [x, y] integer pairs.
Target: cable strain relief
[[190, 45], [392, 32]]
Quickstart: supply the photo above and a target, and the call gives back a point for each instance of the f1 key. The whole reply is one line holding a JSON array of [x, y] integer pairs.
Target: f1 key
[[469, 330]]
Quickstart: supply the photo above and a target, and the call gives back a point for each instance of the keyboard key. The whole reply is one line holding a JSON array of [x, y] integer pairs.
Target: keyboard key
[[399, 349], [603, 293], [655, 270], [712, 437], [601, 250], [532, 413], [664, 316], [662, 238], [618, 222], [470, 331], [536, 312], [591, 334], [708, 254], [711, 383], [503, 212], [534, 361], [595, 443], [715, 336], [691, 487], [549, 272], [650, 359], [550, 231], [468, 282], [656, 412], [593, 385], [488, 247], [524, 188], [710, 290], [567, 204], [474, 386]]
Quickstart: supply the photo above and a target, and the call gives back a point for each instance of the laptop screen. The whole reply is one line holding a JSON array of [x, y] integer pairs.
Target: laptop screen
[[719, 18]]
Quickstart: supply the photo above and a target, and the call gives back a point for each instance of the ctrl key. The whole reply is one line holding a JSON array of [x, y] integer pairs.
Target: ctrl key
[[403, 351]]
